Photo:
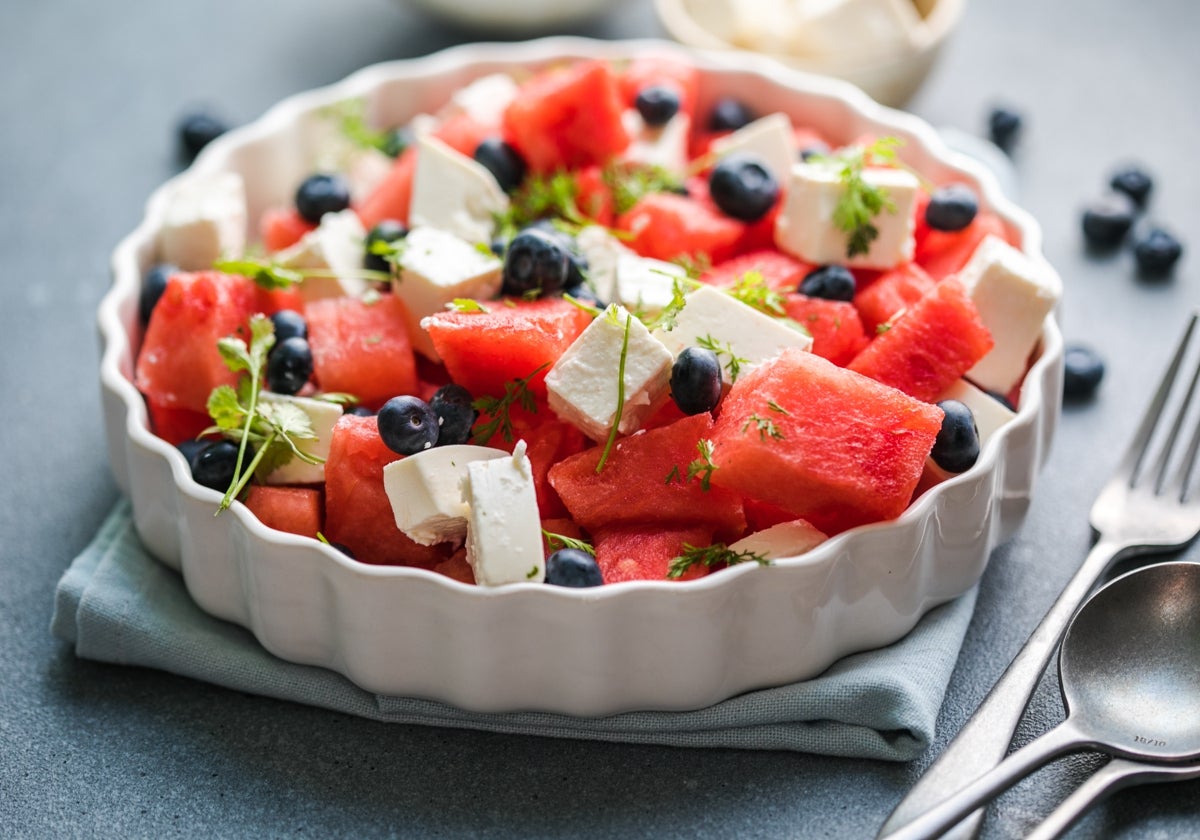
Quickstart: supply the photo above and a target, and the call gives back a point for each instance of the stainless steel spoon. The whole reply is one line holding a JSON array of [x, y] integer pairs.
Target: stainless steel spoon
[[1130, 673]]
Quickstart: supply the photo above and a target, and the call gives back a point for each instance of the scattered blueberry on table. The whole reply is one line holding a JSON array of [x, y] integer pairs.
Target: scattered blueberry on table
[[1004, 127], [1108, 219], [1134, 182], [196, 130], [1157, 252], [1083, 369]]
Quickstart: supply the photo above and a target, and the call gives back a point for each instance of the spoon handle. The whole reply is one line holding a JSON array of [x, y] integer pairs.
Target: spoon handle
[[984, 740], [937, 820]]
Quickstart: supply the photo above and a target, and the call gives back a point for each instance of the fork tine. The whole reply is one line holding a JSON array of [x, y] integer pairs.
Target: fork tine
[[1164, 456], [1131, 463], [1183, 480]]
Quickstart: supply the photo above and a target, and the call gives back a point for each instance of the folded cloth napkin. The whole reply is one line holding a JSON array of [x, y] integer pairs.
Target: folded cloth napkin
[[118, 604]]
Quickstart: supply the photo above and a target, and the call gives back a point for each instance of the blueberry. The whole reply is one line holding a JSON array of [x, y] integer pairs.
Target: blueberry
[[191, 448], [396, 141], [289, 365], [1134, 182], [573, 567], [289, 324], [696, 380], [452, 405], [956, 448], [214, 465], [503, 161], [743, 187], [657, 104], [407, 425], [729, 114], [153, 285], [1002, 399], [1082, 371], [196, 131], [342, 548], [951, 207], [387, 230], [813, 150], [1108, 219], [359, 411], [1004, 127], [830, 282], [535, 262], [1157, 252], [320, 194]]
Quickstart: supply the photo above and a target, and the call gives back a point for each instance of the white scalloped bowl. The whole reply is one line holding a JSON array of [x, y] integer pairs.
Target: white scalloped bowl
[[616, 648]]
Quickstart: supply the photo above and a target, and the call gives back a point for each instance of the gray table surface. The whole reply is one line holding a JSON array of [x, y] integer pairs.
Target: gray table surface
[[86, 115]]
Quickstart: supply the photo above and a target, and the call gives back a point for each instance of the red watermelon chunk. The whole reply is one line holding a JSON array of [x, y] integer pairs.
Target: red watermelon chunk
[[179, 365], [357, 511], [283, 227], [644, 483], [845, 450], [834, 325], [667, 226], [391, 197], [891, 293], [457, 568], [594, 197], [646, 71], [943, 253], [928, 348], [175, 425], [782, 272], [482, 351], [567, 118], [296, 510], [639, 552], [362, 347]]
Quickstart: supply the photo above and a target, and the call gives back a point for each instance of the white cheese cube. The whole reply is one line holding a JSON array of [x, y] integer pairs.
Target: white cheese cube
[[336, 245], [204, 221], [665, 146], [805, 226], [425, 491], [990, 416], [768, 138], [601, 250], [866, 27], [710, 316], [486, 98], [435, 268], [646, 285], [504, 528], [582, 385], [324, 416], [454, 192], [1013, 297], [787, 539]]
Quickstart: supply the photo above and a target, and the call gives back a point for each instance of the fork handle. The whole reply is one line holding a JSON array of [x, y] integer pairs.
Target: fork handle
[[984, 740]]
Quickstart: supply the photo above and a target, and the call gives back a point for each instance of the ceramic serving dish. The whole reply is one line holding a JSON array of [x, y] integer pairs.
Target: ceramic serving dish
[[641, 645]]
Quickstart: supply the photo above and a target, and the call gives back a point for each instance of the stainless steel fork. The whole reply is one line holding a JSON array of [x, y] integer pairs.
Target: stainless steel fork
[[1145, 508]]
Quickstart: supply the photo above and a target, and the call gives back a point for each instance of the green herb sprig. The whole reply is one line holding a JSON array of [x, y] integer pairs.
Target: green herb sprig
[[702, 468], [631, 182], [861, 202], [557, 541], [611, 314], [733, 362], [498, 409], [709, 556], [270, 275], [752, 289], [766, 427]]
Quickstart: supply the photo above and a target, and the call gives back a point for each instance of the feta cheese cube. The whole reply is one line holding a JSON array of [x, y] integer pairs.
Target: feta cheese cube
[[990, 416], [486, 99], [787, 539], [504, 528], [454, 192], [1013, 297], [601, 250], [336, 245], [324, 416], [435, 268], [646, 285], [425, 491], [710, 316], [665, 146], [805, 226], [768, 138], [204, 221], [582, 385]]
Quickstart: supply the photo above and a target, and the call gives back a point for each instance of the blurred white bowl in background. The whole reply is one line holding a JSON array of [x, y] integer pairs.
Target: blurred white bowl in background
[[516, 15]]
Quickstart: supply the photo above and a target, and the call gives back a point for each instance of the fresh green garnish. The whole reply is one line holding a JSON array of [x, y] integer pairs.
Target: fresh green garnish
[[666, 317], [467, 305], [880, 329], [351, 116], [717, 554], [271, 428], [694, 264], [774, 406], [703, 467], [611, 314], [557, 541], [766, 427], [861, 202], [733, 362], [541, 197], [498, 409], [337, 398], [752, 289], [674, 475], [392, 252], [532, 573], [270, 275], [581, 304], [630, 182]]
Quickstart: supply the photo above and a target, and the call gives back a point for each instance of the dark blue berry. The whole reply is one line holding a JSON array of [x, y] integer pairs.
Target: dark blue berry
[[1157, 252], [214, 466], [729, 114], [1134, 182], [452, 405], [956, 448], [396, 141], [153, 285], [1004, 127], [342, 548], [407, 425], [289, 324], [1002, 399], [951, 207], [742, 187], [191, 448], [387, 230], [657, 104], [1082, 371], [573, 567], [359, 411], [535, 262], [320, 194], [578, 268], [503, 161], [1107, 220], [830, 282], [196, 131], [289, 365], [696, 380]]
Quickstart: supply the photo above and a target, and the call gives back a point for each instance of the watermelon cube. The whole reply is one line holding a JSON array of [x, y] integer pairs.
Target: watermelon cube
[[296, 510], [891, 293], [639, 552], [667, 226], [781, 272], [649, 70], [942, 253], [283, 227], [836, 329]]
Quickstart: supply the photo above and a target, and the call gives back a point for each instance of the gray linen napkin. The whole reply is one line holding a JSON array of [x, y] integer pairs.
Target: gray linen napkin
[[117, 604]]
